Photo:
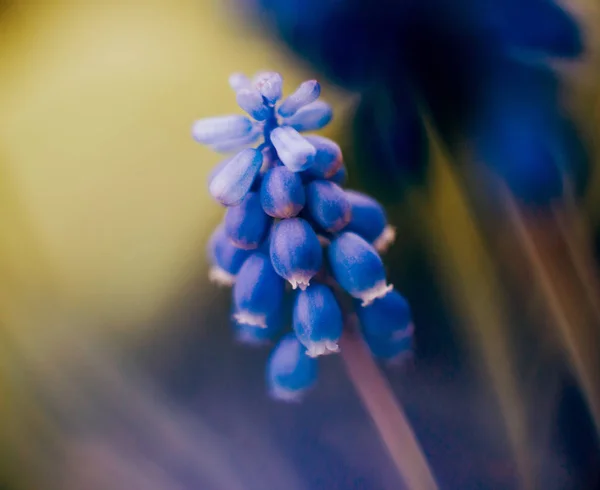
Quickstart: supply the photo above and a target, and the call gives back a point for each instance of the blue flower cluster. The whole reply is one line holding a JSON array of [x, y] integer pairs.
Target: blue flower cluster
[[289, 225]]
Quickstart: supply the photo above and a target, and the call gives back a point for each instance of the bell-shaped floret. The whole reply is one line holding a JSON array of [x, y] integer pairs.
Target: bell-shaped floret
[[328, 205], [295, 252], [386, 316], [357, 267], [318, 320], [258, 291], [290, 372], [247, 225], [282, 193]]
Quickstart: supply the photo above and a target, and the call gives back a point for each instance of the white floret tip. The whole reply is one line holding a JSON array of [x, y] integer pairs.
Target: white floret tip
[[387, 238], [323, 348], [220, 276], [378, 291], [300, 281], [247, 318]]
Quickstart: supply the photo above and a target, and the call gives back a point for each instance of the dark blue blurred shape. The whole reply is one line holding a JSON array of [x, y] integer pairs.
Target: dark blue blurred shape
[[451, 52], [348, 40], [390, 138], [523, 133], [517, 130], [355, 41], [532, 27]]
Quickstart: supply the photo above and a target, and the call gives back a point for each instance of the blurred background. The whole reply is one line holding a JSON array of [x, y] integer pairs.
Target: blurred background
[[118, 367]]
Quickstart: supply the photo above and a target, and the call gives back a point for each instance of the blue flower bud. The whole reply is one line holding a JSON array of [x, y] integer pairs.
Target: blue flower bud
[[306, 93], [247, 224], [318, 320], [385, 317], [293, 150], [290, 372], [236, 144], [232, 182], [226, 259], [257, 336], [358, 268], [369, 221], [392, 348], [213, 130], [311, 117], [270, 85], [328, 205], [258, 291], [328, 159], [282, 193], [253, 103], [216, 169], [238, 81], [295, 252]]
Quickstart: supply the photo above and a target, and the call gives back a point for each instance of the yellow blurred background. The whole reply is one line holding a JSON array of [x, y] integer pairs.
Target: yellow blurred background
[[104, 190], [105, 216]]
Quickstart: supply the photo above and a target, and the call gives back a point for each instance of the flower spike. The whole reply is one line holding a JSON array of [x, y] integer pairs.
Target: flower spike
[[291, 228]]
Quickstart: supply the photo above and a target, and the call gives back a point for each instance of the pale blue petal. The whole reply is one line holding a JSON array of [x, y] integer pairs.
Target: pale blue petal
[[306, 93], [237, 144], [270, 85], [238, 81], [313, 116], [252, 102], [234, 181], [293, 150], [218, 129]]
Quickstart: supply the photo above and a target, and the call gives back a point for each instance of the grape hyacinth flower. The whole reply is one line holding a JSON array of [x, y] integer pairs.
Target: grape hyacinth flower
[[282, 193], [290, 372], [285, 204], [257, 292], [358, 268], [328, 205], [295, 252], [317, 320]]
